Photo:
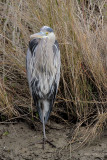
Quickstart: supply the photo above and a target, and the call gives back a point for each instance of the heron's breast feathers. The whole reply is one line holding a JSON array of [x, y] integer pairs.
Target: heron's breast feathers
[[44, 69], [43, 83]]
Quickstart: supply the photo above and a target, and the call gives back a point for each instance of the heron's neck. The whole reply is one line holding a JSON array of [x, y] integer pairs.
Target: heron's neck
[[47, 45]]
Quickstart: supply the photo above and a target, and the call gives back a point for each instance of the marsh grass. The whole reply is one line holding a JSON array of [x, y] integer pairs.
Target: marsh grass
[[81, 30]]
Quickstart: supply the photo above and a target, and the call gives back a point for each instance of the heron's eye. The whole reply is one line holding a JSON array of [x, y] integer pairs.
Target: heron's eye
[[46, 33]]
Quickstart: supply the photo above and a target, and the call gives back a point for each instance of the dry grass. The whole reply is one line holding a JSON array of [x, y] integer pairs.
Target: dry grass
[[81, 29]]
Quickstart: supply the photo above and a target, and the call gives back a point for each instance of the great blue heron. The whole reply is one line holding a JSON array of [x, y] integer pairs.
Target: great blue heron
[[43, 71]]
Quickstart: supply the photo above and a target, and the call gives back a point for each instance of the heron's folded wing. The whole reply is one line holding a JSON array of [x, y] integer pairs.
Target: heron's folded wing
[[30, 52]]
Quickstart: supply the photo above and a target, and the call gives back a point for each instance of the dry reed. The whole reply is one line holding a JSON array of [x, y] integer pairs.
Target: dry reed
[[81, 30]]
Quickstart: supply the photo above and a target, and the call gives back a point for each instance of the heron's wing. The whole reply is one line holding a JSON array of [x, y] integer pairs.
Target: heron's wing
[[32, 45], [53, 91], [57, 63], [31, 50]]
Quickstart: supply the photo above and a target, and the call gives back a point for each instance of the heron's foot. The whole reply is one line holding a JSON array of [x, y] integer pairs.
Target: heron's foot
[[45, 140], [50, 143]]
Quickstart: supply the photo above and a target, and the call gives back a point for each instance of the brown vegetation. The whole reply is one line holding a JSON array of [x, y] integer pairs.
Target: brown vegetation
[[81, 29]]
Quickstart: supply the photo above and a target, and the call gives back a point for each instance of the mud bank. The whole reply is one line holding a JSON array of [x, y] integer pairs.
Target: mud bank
[[21, 142]]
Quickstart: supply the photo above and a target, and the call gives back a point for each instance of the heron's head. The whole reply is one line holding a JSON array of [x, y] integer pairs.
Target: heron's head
[[45, 32]]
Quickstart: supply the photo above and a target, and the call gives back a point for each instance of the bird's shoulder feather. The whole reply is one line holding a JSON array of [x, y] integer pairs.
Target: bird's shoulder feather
[[33, 44]]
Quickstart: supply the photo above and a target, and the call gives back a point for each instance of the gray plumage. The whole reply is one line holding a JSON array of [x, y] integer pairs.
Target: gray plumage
[[43, 71]]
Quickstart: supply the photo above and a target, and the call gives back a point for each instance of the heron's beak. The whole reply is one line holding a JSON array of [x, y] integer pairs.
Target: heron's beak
[[38, 35]]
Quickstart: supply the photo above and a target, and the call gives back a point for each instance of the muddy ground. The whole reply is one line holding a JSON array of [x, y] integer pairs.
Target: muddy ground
[[21, 142]]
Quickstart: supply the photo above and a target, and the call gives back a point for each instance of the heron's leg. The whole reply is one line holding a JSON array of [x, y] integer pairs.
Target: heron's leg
[[44, 134], [31, 108], [45, 138]]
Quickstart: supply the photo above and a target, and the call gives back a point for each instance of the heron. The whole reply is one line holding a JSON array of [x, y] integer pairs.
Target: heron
[[43, 72]]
